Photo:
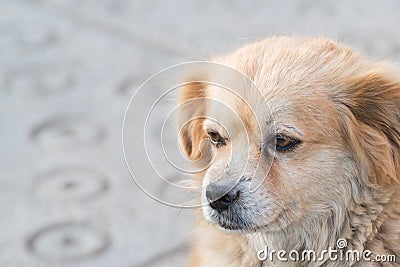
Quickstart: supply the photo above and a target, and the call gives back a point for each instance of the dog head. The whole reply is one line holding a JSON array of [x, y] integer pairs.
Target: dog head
[[317, 126]]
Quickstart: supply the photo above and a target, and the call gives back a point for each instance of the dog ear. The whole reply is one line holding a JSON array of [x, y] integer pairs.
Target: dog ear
[[191, 117], [372, 124]]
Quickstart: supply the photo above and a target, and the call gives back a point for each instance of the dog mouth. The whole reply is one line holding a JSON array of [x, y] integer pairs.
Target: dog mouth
[[231, 226], [235, 210], [239, 219], [231, 220]]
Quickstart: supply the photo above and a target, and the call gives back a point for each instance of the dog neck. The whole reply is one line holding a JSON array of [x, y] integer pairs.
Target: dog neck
[[370, 217]]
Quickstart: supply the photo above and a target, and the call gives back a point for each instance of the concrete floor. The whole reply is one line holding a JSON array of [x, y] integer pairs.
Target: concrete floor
[[68, 70]]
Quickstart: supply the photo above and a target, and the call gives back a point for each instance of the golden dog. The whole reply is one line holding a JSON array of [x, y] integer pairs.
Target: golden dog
[[321, 133]]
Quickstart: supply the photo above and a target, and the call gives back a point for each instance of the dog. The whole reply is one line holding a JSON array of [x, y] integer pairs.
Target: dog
[[302, 149]]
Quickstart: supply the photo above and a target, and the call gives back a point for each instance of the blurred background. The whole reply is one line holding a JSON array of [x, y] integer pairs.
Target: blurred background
[[68, 70]]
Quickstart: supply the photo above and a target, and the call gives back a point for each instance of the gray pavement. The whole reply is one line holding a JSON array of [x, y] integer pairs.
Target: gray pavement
[[68, 69]]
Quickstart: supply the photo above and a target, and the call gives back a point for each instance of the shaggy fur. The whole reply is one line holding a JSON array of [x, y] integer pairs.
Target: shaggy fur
[[341, 181]]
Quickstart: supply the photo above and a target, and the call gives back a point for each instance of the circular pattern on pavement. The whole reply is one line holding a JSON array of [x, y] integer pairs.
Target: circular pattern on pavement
[[73, 183], [69, 241], [68, 132]]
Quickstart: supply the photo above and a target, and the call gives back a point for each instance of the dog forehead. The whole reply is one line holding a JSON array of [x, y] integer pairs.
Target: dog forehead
[[290, 80], [240, 109], [291, 63]]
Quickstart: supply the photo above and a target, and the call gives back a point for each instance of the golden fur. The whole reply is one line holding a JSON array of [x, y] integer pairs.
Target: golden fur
[[342, 181]]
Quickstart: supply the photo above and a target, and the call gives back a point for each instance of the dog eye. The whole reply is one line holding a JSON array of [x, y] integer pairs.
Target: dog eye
[[285, 143], [216, 139]]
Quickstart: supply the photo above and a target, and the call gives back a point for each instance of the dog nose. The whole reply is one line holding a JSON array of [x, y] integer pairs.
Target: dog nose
[[221, 196]]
